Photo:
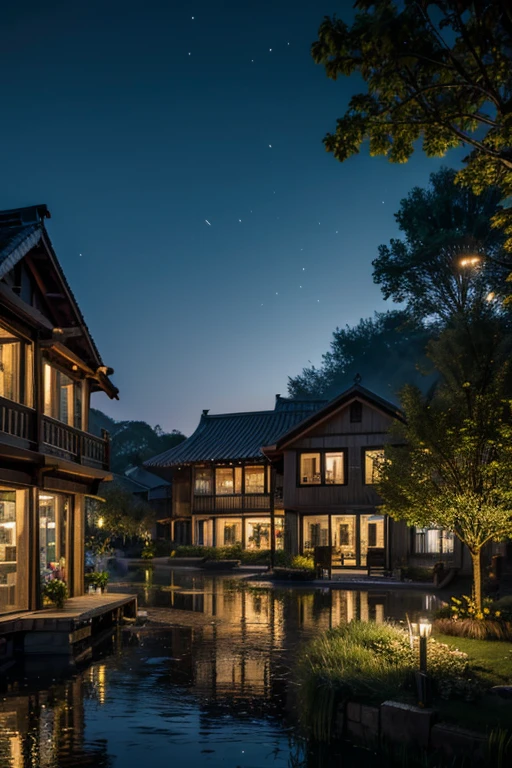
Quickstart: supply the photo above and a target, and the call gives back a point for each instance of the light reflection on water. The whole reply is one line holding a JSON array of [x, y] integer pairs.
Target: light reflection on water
[[212, 692]]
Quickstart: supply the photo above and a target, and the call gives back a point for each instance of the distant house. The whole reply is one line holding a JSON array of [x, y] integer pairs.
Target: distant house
[[324, 457], [49, 366], [221, 479]]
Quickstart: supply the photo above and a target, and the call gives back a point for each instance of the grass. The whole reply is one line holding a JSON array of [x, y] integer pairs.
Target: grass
[[490, 659]]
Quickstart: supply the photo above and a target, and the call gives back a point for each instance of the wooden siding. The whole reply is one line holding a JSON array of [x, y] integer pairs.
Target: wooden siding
[[181, 492], [337, 433]]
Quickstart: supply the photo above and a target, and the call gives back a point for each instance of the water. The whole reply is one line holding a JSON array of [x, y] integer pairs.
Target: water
[[212, 692]]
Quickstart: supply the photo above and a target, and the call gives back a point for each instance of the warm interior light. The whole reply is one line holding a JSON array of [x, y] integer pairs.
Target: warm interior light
[[100, 522], [490, 296]]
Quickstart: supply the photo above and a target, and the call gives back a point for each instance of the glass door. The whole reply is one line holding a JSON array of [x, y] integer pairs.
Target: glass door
[[344, 539], [371, 536], [53, 537]]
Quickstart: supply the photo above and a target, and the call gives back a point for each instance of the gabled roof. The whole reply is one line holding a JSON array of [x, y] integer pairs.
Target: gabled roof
[[21, 231], [145, 478], [355, 392], [290, 404], [231, 437]]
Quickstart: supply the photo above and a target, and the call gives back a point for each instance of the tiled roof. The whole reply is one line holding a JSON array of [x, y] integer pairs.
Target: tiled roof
[[145, 478], [231, 437], [15, 243], [289, 404]]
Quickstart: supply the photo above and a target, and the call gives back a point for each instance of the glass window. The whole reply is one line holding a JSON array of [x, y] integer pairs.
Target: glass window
[[334, 468], [224, 481], [356, 412], [203, 482], [258, 534], [373, 460], [316, 532], [62, 397], [433, 541], [228, 531], [53, 536], [255, 479], [310, 472], [16, 369], [8, 552]]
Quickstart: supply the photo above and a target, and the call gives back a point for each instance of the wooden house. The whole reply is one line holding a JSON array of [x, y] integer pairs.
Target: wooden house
[[316, 477], [49, 366], [329, 463], [223, 489]]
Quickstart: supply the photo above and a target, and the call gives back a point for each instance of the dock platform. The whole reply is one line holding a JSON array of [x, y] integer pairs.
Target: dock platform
[[66, 630]]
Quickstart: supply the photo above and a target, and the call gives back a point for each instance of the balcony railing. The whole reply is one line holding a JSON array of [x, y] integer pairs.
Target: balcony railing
[[232, 503], [74, 444], [20, 424]]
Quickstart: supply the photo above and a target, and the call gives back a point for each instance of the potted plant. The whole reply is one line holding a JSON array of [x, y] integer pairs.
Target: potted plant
[[56, 591], [97, 580], [148, 552]]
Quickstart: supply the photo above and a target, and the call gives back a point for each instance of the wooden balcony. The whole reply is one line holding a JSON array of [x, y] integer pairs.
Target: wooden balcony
[[19, 426], [237, 502]]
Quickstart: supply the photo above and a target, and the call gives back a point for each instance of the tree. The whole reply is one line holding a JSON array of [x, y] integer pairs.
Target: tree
[[120, 515], [439, 70], [387, 351], [451, 463], [442, 226]]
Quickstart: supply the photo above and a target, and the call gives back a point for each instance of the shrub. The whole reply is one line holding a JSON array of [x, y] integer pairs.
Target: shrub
[[417, 573], [463, 619], [97, 579], [56, 591], [304, 562], [371, 662]]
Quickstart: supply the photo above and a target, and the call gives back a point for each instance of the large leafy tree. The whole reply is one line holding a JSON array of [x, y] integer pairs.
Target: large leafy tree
[[436, 70], [437, 267], [451, 464], [387, 350]]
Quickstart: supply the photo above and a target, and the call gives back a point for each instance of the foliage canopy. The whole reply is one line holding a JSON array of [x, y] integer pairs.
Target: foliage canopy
[[436, 70]]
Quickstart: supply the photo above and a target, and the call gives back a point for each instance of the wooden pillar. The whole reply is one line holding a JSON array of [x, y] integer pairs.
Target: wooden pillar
[[272, 517], [77, 520]]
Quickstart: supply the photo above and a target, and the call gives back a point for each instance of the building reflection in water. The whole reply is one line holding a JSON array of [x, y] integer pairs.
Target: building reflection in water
[[233, 651]]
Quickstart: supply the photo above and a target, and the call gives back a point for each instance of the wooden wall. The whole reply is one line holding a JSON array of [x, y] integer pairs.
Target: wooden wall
[[181, 492], [337, 433]]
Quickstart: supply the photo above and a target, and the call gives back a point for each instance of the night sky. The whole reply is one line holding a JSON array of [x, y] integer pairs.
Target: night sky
[[212, 243]]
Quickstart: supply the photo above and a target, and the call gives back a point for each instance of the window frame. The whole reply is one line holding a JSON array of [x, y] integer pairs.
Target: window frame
[[364, 451], [25, 343], [77, 381], [322, 451], [238, 475]]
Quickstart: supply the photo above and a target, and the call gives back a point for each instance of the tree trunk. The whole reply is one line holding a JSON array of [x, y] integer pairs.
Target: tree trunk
[[477, 578]]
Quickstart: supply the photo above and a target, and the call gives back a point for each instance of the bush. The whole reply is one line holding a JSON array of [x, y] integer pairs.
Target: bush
[[56, 591], [370, 662], [304, 562], [163, 547], [417, 573], [462, 618]]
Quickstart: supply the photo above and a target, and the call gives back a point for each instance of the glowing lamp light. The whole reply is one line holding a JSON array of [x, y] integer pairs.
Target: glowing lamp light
[[490, 296], [470, 261], [425, 628], [101, 522]]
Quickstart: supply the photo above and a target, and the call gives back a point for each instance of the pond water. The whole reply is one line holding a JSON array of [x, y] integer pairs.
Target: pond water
[[211, 692]]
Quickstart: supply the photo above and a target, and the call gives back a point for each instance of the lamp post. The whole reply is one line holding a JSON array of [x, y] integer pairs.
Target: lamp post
[[423, 629]]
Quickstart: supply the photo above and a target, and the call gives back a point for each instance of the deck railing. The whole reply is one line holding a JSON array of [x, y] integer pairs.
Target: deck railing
[[232, 503], [20, 424], [17, 420], [79, 446]]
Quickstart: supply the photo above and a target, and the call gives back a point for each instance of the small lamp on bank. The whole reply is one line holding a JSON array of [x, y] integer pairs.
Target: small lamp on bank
[[423, 629]]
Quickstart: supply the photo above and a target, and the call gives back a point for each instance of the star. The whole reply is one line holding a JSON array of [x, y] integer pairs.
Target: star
[[277, 294], [194, 17], [240, 220], [189, 53], [270, 50], [303, 268], [270, 146], [208, 222]]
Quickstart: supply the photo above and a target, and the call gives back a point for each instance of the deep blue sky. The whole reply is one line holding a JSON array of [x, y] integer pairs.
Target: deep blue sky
[[136, 123]]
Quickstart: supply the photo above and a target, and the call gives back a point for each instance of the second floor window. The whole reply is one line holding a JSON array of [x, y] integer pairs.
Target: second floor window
[[16, 370], [373, 460], [322, 468], [62, 397], [203, 484], [255, 479]]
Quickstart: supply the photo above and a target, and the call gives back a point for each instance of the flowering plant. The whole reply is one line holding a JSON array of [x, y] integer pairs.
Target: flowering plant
[[56, 591], [466, 608]]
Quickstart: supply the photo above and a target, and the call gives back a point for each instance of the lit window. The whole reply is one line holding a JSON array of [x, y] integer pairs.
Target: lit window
[[255, 479], [334, 468], [203, 485], [433, 541], [16, 369], [62, 397], [310, 472], [223, 481], [372, 465]]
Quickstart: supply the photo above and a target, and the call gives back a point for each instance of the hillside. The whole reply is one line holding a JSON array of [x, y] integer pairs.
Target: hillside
[[132, 441]]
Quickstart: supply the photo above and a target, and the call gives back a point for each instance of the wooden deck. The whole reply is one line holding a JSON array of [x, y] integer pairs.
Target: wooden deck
[[60, 631]]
